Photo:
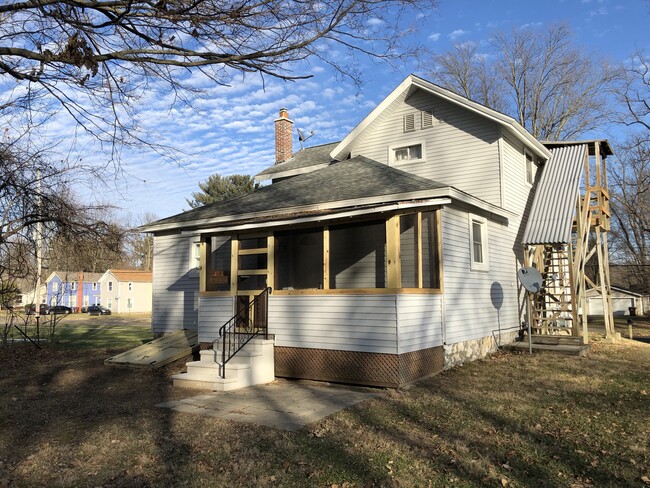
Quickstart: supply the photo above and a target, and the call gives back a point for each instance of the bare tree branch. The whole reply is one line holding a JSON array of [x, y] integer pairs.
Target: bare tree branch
[[539, 77]]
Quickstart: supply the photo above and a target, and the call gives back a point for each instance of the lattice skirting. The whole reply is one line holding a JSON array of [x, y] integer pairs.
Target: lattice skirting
[[362, 368]]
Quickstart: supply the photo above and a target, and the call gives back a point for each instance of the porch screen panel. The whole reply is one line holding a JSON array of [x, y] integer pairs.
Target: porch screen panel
[[218, 278], [430, 258], [253, 264], [358, 255], [408, 250], [299, 260]]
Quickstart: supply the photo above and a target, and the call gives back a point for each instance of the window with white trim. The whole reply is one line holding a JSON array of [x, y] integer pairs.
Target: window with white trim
[[530, 167], [129, 303], [110, 286], [109, 303], [130, 286], [478, 243], [94, 286], [73, 285], [55, 286], [195, 255], [412, 152]]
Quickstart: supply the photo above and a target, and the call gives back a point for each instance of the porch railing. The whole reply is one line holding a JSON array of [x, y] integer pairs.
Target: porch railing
[[249, 322]]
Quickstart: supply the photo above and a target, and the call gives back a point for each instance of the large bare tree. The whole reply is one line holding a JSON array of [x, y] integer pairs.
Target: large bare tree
[[94, 57], [540, 77], [634, 94], [36, 202], [630, 180]]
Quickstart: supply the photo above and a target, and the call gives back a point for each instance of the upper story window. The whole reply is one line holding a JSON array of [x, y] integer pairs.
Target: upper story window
[[94, 286], [73, 285], [530, 167], [413, 152], [130, 286], [478, 243], [110, 286], [55, 286]]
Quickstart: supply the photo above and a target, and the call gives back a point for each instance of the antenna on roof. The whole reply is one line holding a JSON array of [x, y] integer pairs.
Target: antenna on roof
[[302, 138]]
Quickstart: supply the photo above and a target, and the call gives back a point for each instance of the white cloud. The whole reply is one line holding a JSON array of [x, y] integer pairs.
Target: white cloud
[[457, 33], [434, 37]]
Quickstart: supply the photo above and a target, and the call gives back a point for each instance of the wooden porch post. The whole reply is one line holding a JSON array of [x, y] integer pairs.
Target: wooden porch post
[[392, 253]]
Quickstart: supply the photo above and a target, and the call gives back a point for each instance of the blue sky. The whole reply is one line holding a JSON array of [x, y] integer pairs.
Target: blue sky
[[230, 129]]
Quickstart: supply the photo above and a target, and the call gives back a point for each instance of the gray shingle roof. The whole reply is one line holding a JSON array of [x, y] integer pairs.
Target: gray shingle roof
[[554, 205], [303, 159], [348, 180]]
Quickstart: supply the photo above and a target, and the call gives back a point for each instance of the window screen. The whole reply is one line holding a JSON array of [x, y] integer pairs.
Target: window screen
[[358, 255]]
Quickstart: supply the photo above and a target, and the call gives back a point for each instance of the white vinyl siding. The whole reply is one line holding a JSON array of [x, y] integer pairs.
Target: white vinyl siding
[[461, 149], [213, 313], [365, 323], [175, 291], [419, 319], [478, 304]]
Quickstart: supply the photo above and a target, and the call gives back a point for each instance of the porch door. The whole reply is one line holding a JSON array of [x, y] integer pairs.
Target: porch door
[[253, 264]]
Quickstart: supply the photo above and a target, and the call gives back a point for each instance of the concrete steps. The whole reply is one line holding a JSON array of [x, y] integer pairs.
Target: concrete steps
[[253, 365]]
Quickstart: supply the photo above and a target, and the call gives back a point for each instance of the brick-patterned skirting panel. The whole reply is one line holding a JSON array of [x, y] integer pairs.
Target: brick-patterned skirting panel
[[362, 368]]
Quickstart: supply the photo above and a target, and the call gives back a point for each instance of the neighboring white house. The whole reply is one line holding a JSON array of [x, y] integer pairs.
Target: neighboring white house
[[622, 301], [126, 291], [391, 254]]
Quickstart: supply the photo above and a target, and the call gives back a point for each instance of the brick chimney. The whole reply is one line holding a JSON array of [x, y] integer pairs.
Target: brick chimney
[[283, 137]]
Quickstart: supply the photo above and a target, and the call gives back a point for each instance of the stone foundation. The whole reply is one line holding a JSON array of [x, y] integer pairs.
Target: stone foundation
[[463, 352]]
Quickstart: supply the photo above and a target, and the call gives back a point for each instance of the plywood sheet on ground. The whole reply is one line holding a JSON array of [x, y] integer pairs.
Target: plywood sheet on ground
[[159, 352]]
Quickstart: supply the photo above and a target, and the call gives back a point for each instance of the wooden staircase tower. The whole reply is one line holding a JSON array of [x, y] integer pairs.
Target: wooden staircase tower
[[559, 309]]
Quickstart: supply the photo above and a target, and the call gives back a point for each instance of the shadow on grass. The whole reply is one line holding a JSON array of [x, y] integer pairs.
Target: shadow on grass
[[540, 421]]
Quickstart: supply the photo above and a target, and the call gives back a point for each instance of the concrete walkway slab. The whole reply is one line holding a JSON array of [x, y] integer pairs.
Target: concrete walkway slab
[[286, 405]]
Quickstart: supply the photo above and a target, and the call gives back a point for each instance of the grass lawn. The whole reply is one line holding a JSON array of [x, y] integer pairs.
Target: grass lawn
[[81, 331], [510, 420]]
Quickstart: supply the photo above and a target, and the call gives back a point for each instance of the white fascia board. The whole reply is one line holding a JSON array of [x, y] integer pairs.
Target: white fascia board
[[291, 172], [340, 149], [413, 81], [481, 204], [320, 218]]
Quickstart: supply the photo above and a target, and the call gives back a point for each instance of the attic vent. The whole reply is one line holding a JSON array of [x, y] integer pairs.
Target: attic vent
[[409, 123], [427, 118]]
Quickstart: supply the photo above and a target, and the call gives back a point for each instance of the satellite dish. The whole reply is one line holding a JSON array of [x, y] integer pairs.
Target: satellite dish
[[531, 279]]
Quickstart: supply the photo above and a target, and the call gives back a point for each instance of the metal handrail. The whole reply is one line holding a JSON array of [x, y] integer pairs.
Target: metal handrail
[[240, 329]]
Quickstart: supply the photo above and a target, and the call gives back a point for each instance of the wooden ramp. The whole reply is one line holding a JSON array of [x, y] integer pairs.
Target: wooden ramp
[[159, 352], [568, 345]]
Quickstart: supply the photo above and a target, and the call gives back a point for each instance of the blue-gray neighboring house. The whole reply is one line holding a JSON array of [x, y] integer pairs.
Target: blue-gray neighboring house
[[73, 289]]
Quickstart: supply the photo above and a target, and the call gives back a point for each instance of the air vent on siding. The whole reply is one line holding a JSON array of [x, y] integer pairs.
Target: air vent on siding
[[427, 118], [409, 123]]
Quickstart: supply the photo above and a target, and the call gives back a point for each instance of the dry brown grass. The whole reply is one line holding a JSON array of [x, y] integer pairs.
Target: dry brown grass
[[511, 420]]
